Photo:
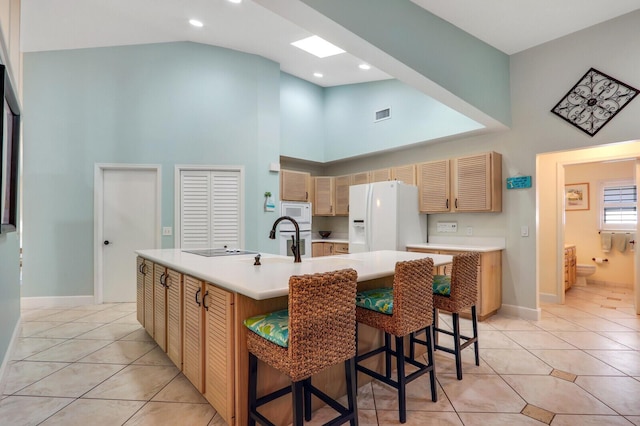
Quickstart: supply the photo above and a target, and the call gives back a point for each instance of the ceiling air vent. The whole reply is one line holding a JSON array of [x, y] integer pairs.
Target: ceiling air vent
[[383, 114]]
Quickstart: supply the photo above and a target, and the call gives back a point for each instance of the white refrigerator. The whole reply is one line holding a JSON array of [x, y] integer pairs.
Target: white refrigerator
[[384, 216]]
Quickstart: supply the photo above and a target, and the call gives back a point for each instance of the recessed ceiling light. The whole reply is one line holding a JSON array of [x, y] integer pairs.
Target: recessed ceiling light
[[364, 66], [318, 74], [196, 23], [317, 46]]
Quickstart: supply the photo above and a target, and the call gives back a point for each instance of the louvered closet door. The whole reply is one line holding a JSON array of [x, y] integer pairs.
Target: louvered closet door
[[219, 387], [192, 361], [140, 290], [210, 209], [160, 307], [472, 183], [174, 317], [433, 186], [148, 298]]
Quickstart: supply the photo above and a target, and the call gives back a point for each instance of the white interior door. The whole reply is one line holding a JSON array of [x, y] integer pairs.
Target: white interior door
[[129, 224]]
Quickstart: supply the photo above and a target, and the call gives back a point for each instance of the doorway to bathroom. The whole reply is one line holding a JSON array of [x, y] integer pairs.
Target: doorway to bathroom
[[552, 216]]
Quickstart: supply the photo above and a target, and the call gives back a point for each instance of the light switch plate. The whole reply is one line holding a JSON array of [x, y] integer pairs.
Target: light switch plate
[[524, 231], [447, 227], [167, 230]]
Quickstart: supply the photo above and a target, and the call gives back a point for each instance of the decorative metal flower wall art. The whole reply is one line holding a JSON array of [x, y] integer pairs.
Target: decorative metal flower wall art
[[593, 101]]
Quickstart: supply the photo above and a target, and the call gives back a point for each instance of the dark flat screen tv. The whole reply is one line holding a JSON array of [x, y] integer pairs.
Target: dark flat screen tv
[[9, 154]]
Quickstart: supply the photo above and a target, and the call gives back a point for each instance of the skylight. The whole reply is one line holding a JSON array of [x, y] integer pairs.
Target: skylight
[[317, 46]]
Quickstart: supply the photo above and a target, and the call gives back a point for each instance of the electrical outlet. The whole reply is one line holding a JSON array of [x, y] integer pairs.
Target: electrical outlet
[[469, 230], [167, 230], [447, 227]]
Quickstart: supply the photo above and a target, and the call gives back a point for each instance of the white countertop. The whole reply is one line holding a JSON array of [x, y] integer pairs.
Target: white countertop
[[330, 240], [456, 247], [271, 279]]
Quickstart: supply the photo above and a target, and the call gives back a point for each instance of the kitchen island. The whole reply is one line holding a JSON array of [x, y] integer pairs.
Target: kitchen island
[[194, 307]]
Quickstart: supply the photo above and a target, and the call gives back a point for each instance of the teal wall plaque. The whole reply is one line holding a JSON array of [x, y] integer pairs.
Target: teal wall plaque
[[519, 182]]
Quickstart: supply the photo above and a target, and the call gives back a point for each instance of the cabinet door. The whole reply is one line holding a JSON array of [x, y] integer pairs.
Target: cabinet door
[[192, 361], [341, 248], [327, 249], [433, 186], [317, 249], [219, 386], [148, 298], [140, 263], [324, 190], [359, 178], [342, 184], [477, 183], [160, 306], [380, 175], [174, 316], [406, 174], [294, 186]]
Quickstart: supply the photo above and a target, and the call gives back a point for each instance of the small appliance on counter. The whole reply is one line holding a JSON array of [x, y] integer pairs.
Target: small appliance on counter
[[384, 216]]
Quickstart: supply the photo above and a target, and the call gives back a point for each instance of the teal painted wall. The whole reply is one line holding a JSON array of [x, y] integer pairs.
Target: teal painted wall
[[453, 59], [302, 121], [9, 289], [174, 103], [350, 124]]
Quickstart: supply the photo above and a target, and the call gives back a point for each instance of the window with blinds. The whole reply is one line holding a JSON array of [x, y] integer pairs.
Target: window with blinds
[[210, 209], [618, 205]]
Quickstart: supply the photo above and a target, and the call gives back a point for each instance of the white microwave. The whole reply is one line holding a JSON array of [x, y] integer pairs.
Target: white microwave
[[298, 211]]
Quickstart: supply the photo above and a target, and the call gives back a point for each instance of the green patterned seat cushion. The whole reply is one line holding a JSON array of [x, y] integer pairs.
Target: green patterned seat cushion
[[378, 299], [442, 285], [273, 326]]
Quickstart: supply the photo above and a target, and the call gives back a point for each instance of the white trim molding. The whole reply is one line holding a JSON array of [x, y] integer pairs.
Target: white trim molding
[[521, 312], [55, 302]]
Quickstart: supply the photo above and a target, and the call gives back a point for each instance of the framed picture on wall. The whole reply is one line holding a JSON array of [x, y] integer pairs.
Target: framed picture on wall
[[576, 196]]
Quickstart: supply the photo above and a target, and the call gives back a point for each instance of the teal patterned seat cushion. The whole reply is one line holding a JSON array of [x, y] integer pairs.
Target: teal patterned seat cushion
[[442, 285], [378, 299], [273, 326]]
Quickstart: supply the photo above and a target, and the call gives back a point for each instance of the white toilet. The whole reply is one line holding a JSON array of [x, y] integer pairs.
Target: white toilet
[[582, 272]]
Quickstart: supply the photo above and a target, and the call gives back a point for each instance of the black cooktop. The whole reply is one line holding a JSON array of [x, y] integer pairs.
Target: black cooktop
[[219, 252]]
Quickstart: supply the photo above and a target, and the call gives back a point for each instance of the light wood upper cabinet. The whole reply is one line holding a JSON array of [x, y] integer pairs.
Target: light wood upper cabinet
[[477, 183], [359, 178], [324, 190], [463, 184], [380, 175], [406, 174], [433, 186], [294, 186], [342, 184]]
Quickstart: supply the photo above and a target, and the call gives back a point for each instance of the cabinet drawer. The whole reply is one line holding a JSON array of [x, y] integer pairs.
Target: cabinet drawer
[[341, 248]]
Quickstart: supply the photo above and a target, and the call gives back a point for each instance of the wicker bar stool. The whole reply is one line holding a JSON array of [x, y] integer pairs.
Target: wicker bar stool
[[454, 294], [318, 330], [399, 311]]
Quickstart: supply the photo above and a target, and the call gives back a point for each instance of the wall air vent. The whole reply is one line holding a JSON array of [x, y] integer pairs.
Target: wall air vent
[[383, 114]]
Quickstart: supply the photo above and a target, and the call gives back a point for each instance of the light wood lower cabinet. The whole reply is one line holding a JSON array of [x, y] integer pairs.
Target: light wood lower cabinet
[[219, 358], [173, 283], [193, 334], [142, 269], [489, 279], [569, 266], [160, 306], [148, 298], [319, 249]]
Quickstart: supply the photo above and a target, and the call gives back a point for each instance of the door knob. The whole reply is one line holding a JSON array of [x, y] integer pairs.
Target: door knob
[[106, 242]]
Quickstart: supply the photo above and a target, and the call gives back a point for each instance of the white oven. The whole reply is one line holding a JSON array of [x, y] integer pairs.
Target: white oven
[[301, 213]]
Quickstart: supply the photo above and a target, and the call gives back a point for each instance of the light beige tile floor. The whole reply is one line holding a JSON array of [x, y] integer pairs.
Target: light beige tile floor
[[578, 365]]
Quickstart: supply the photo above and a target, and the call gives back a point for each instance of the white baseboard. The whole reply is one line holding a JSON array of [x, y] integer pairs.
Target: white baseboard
[[521, 312], [8, 354], [548, 298], [55, 302]]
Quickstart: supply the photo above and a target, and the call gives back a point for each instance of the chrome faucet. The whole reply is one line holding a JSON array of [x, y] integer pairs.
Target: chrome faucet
[[295, 243]]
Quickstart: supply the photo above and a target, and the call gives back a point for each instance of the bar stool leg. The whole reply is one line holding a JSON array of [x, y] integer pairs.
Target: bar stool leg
[[296, 395], [431, 362], [402, 380], [350, 373], [307, 398], [474, 320], [456, 344], [253, 384], [435, 327], [387, 357]]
